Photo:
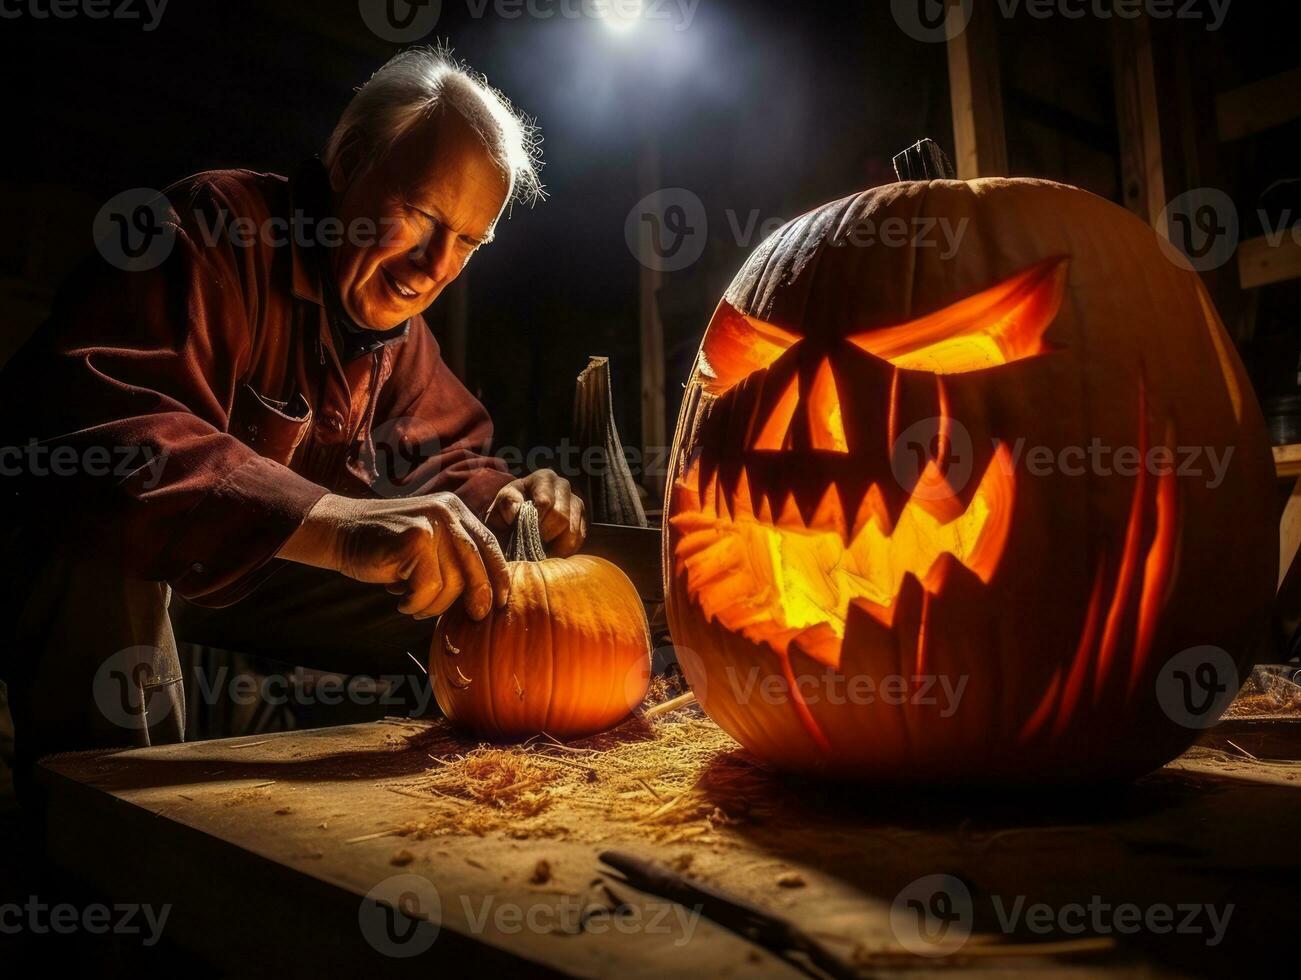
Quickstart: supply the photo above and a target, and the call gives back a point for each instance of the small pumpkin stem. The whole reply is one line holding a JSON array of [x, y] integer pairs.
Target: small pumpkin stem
[[924, 160], [526, 538]]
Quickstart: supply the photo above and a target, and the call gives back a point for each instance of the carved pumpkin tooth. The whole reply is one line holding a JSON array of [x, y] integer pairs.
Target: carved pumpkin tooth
[[829, 515], [742, 506], [709, 494], [872, 507], [727, 497], [789, 515]]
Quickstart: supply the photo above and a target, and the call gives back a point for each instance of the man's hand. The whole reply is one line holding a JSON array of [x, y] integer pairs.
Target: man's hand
[[429, 550], [560, 511]]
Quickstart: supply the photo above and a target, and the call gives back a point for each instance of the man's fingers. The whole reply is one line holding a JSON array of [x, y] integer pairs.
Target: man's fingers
[[506, 507], [575, 532], [426, 581], [465, 549], [542, 487], [554, 522], [493, 559]]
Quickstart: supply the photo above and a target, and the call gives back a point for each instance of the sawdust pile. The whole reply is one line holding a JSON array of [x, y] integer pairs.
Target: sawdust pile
[[675, 778], [1270, 692]]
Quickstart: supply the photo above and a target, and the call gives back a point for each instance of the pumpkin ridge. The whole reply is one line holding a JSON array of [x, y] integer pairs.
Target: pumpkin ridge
[[487, 669], [551, 650]]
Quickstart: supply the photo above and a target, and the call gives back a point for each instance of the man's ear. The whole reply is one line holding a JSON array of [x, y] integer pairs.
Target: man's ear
[[347, 165]]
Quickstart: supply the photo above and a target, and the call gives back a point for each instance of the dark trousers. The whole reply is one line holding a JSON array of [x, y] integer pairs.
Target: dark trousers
[[92, 657]]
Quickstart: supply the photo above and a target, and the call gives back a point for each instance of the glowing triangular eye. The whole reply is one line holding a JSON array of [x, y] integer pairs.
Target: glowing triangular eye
[[737, 345], [772, 435], [997, 326], [826, 426]]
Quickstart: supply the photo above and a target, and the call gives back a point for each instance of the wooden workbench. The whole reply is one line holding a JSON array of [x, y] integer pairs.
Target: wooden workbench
[[265, 847]]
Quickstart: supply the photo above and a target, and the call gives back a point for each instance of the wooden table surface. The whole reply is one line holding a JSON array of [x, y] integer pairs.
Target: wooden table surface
[[266, 846]]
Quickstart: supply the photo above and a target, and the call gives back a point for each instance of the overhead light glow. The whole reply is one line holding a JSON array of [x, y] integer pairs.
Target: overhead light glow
[[620, 16]]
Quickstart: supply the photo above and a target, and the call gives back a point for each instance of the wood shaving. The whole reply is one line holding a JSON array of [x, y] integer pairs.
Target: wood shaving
[[676, 778]]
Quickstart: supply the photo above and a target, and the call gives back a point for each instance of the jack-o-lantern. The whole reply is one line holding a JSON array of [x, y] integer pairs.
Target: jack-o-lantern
[[906, 537]]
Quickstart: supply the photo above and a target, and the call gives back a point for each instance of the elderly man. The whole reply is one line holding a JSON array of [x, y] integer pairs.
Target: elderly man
[[255, 386]]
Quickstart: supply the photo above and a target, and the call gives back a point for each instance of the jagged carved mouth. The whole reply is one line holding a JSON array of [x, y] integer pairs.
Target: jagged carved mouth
[[780, 579]]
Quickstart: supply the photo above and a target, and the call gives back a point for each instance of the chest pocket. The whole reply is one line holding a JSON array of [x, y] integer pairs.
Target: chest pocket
[[271, 428]]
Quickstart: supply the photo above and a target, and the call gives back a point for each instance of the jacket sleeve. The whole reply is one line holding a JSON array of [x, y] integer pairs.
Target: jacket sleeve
[[430, 434], [143, 366]]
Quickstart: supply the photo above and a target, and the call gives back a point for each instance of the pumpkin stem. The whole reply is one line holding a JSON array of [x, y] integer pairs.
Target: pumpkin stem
[[924, 160], [526, 538]]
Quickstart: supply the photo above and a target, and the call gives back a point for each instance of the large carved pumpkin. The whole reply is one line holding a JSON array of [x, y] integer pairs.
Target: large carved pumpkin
[[905, 537], [568, 655]]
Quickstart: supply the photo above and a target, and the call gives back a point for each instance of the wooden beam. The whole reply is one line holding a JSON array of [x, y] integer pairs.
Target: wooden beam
[[976, 94], [1287, 462], [1262, 105], [654, 428], [1141, 163], [1261, 262]]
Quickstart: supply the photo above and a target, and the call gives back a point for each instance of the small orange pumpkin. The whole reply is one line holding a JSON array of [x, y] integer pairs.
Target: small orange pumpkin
[[568, 655]]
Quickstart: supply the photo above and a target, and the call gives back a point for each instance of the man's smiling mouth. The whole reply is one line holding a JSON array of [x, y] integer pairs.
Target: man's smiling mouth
[[399, 287]]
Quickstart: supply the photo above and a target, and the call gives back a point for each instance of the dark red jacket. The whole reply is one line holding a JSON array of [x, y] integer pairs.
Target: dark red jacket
[[242, 393]]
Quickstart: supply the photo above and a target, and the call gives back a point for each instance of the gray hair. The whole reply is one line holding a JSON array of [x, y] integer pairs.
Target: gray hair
[[414, 85]]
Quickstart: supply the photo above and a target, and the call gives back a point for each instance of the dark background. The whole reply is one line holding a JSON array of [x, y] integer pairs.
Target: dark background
[[761, 108]]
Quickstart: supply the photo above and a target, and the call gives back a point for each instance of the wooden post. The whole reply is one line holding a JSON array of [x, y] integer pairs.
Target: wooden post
[[653, 426], [976, 92], [606, 483], [1137, 112]]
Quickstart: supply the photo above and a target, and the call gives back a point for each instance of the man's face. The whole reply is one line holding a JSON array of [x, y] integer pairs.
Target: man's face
[[433, 201]]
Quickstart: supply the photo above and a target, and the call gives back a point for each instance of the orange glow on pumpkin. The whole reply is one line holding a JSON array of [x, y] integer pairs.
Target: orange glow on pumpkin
[[827, 428], [997, 326], [787, 581]]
